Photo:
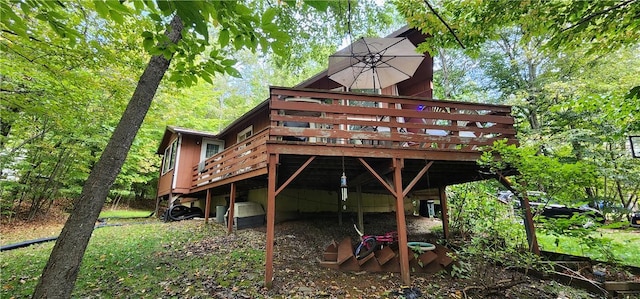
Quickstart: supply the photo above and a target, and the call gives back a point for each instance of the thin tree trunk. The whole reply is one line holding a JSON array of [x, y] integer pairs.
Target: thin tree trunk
[[60, 274]]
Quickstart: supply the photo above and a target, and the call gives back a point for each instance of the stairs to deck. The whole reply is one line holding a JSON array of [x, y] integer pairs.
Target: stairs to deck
[[340, 256]]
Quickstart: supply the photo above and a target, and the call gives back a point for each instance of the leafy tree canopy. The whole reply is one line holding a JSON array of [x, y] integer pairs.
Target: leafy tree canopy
[[598, 26]]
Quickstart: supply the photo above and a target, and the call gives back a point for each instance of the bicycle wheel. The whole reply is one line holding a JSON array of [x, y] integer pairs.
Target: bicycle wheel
[[366, 247]]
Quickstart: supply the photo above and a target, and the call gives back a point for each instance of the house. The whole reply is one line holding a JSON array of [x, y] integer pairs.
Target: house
[[290, 152]]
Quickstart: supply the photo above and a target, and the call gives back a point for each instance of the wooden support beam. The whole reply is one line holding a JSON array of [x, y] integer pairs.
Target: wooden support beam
[[294, 175], [232, 205], [380, 179], [445, 211], [417, 178], [271, 215], [365, 177], [207, 206], [401, 223], [528, 216]]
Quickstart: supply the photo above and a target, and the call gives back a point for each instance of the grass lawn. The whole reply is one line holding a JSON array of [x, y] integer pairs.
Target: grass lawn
[[145, 260], [624, 245], [124, 213]]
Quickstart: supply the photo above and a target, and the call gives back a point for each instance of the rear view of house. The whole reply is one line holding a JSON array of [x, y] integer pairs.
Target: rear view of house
[[392, 143]]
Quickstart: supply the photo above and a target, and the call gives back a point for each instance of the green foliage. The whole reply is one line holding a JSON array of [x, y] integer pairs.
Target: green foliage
[[59, 107], [598, 26], [493, 233]]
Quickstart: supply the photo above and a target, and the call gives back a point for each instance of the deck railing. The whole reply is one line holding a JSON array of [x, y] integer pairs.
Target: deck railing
[[360, 120], [245, 156], [386, 121]]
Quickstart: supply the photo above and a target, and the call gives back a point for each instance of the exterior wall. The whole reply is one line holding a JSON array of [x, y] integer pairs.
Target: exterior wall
[[259, 122], [189, 156], [166, 180], [293, 201], [164, 183]]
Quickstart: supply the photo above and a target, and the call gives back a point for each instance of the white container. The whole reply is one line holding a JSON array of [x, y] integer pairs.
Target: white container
[[247, 214]]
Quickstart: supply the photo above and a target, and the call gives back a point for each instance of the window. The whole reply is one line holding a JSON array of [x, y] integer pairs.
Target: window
[[246, 133], [210, 147], [170, 157]]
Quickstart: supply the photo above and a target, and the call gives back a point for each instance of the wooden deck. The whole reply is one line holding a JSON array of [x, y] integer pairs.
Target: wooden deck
[[383, 144], [332, 125]]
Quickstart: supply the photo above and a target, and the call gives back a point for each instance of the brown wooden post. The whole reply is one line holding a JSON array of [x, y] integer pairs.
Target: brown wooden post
[[271, 215], [445, 211], [401, 222], [232, 204], [207, 206]]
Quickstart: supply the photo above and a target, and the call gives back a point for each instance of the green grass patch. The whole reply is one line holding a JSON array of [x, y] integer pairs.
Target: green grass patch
[[124, 213], [602, 245], [150, 260]]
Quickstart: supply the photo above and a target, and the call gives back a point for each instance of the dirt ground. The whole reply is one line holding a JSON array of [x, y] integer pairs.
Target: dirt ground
[[299, 246]]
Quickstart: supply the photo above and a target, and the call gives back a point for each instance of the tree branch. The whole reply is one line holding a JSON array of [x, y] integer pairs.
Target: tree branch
[[445, 23], [591, 16]]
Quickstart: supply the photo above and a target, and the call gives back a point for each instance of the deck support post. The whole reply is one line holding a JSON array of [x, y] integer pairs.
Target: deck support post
[[271, 215], [528, 216], [232, 205], [400, 221], [445, 211], [207, 206]]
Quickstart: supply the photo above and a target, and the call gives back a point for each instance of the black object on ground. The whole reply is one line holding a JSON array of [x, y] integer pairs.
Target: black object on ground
[[180, 212]]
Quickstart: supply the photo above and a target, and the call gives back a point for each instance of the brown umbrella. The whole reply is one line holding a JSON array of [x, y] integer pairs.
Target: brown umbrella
[[374, 63]]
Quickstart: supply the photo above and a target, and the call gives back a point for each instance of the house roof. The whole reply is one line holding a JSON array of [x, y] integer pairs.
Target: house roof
[[170, 130]]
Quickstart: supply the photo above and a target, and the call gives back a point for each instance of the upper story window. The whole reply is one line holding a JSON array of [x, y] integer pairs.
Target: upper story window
[[246, 133], [169, 159]]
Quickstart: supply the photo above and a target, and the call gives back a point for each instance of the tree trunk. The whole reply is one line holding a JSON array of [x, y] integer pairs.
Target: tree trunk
[[59, 275]]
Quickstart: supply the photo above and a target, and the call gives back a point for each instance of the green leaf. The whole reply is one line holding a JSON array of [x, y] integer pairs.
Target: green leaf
[[243, 10], [155, 17], [634, 93], [232, 72], [223, 39], [238, 42], [118, 6], [319, 5], [147, 34], [165, 7], [207, 77], [268, 16], [228, 62], [116, 16], [147, 43], [101, 8]]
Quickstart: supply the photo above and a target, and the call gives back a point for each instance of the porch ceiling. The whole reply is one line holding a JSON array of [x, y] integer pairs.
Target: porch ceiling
[[324, 172]]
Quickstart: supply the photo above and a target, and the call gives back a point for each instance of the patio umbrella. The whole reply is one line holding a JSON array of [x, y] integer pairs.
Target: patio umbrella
[[374, 63]]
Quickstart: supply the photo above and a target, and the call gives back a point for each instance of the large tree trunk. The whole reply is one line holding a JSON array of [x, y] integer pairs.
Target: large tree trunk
[[59, 275]]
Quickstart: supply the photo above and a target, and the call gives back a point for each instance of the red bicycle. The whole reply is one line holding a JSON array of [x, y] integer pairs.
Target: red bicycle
[[370, 243]]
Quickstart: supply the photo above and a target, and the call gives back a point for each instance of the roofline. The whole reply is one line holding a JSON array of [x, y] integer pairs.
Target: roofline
[[182, 130], [244, 116]]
